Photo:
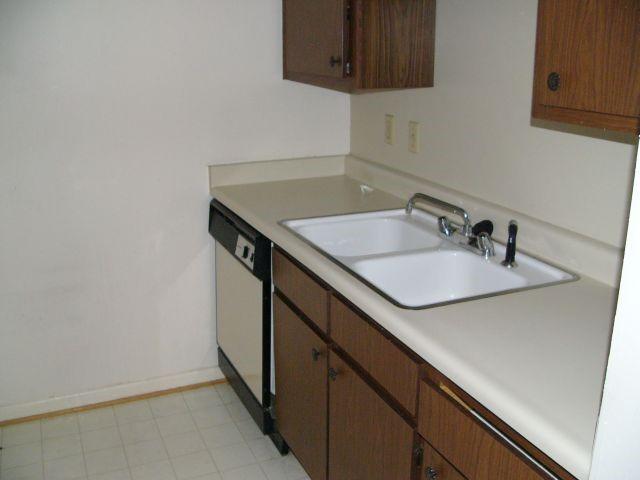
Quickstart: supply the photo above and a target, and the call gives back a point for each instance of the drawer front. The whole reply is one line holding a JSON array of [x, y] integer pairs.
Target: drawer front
[[376, 354], [435, 467], [307, 294], [466, 443]]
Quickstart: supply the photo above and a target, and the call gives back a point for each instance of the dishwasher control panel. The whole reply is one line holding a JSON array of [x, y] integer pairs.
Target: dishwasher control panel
[[245, 251]]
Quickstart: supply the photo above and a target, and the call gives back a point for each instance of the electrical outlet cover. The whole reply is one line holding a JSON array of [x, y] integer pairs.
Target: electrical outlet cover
[[414, 137], [390, 129]]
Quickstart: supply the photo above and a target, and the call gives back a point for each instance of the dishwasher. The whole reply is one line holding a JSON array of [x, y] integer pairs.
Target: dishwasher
[[243, 313]]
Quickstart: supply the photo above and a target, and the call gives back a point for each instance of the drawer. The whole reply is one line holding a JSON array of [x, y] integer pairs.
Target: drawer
[[468, 444], [307, 294], [434, 466], [385, 361]]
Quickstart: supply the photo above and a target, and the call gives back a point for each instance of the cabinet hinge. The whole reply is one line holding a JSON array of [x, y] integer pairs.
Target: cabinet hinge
[[347, 68]]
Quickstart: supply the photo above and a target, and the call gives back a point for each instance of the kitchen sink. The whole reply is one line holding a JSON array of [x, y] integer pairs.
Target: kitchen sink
[[405, 259], [366, 234]]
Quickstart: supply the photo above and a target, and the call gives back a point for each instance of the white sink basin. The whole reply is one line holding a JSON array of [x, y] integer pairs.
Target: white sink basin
[[404, 259], [366, 233]]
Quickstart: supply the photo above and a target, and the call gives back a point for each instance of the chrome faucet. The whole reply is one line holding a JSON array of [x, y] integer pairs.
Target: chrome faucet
[[481, 244], [442, 205]]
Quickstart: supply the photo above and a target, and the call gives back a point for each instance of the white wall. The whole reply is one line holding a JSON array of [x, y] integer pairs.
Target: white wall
[[109, 114], [618, 436], [476, 131]]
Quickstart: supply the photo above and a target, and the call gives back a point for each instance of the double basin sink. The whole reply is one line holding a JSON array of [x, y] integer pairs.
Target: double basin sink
[[405, 259]]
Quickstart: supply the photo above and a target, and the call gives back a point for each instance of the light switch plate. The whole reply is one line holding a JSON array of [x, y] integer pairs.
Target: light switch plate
[[414, 137], [390, 129]]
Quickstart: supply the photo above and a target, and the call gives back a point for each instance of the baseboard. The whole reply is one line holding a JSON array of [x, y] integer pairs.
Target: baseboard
[[114, 394]]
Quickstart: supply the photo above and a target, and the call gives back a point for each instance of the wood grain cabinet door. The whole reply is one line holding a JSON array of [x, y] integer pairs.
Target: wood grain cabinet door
[[301, 389], [588, 59], [368, 440], [314, 37]]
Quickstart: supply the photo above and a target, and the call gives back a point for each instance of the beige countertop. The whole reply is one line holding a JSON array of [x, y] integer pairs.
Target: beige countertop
[[535, 358]]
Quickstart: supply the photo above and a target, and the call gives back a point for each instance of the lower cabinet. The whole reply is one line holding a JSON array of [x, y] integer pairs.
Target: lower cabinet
[[368, 440], [434, 466], [301, 389], [349, 398]]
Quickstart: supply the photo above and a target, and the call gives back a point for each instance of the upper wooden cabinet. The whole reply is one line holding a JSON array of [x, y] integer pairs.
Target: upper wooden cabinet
[[588, 63], [353, 45]]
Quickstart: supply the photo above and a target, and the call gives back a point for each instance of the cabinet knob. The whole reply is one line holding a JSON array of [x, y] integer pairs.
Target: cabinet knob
[[333, 61], [315, 354], [432, 473], [333, 374], [553, 81]]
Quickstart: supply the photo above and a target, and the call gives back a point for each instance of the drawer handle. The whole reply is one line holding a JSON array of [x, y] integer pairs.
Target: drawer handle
[[333, 61], [447, 391], [432, 473], [333, 374], [315, 354]]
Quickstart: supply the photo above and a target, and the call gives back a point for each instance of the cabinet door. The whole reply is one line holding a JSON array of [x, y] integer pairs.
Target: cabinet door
[[368, 440], [434, 466], [301, 389], [314, 34], [593, 48]]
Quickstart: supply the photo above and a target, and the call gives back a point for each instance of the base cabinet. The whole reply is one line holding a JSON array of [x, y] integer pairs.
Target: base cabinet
[[301, 376], [368, 440], [353, 403]]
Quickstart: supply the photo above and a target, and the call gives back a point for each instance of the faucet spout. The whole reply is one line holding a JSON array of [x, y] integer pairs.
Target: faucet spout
[[442, 205]]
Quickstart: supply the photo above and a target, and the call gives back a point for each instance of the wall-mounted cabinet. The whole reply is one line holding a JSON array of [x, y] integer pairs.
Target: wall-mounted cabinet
[[356, 45], [588, 63]]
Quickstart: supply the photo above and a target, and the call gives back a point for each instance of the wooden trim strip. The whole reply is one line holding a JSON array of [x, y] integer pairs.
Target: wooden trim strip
[[110, 403]]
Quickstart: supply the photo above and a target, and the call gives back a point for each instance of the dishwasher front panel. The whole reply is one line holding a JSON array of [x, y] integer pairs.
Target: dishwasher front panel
[[239, 314]]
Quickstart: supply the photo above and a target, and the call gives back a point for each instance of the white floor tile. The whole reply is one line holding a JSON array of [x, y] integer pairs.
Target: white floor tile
[[154, 471], [221, 435], [117, 475], [168, 405], [67, 468], [249, 429], [183, 444], [102, 461], [175, 424], [193, 465], [60, 447], [202, 398], [283, 468], [263, 449], [211, 416], [183, 436], [238, 411], [139, 432], [60, 426], [20, 434], [210, 476], [232, 456], [28, 472], [133, 412], [145, 452], [97, 419], [101, 439], [226, 393], [21, 455], [250, 472]]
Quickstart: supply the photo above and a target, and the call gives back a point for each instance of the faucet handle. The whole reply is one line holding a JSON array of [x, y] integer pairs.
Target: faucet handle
[[485, 244]]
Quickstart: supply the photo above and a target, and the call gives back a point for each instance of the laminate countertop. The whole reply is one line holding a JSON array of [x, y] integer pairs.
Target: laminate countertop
[[535, 358]]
